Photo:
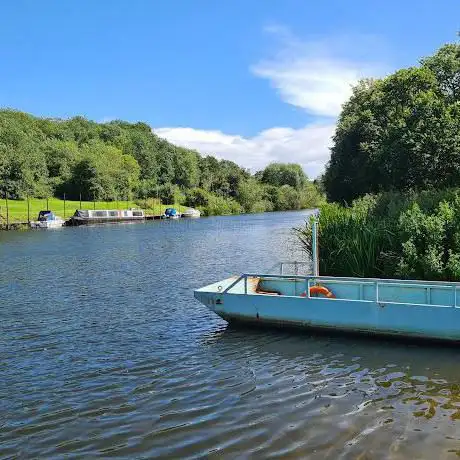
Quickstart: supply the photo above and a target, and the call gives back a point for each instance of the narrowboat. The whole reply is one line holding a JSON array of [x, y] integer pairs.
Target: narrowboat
[[100, 216], [191, 213], [404, 308], [47, 219]]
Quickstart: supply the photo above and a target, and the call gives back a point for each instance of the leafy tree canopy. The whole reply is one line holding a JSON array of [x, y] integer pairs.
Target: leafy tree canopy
[[116, 160], [399, 133]]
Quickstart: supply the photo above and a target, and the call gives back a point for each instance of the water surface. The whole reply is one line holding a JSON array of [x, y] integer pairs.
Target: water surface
[[104, 352]]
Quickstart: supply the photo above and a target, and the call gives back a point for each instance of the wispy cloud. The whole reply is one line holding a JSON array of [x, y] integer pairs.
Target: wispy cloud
[[316, 76]]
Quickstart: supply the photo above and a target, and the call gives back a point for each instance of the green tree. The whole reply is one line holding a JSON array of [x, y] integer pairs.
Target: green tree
[[60, 159], [250, 195], [186, 169], [288, 198], [279, 174], [104, 161], [399, 133], [103, 172]]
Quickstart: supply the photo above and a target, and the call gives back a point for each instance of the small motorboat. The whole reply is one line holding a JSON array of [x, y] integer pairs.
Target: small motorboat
[[171, 213], [191, 213], [47, 219]]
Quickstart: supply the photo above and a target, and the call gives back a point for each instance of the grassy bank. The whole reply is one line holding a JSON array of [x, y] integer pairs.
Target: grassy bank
[[408, 236], [17, 209]]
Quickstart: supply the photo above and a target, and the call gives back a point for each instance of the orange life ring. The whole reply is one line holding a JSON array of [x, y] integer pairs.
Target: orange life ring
[[319, 290]]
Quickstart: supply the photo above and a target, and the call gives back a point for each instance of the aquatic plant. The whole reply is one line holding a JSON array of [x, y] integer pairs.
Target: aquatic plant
[[390, 235]]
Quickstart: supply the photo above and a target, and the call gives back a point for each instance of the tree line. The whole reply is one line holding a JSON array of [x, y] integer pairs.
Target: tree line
[[44, 157], [400, 133]]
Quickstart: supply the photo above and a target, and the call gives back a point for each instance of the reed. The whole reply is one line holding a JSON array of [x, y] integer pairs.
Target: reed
[[391, 235]]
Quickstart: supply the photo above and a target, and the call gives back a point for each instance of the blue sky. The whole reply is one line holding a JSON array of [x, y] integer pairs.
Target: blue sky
[[253, 81]]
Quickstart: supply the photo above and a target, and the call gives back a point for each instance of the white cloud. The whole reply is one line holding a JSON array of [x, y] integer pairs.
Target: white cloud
[[315, 76], [308, 146]]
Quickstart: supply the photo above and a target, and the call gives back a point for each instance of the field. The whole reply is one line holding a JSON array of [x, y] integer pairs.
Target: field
[[17, 209]]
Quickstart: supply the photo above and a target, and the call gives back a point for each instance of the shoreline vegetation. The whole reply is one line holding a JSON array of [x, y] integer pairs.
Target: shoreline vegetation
[[126, 162], [393, 180]]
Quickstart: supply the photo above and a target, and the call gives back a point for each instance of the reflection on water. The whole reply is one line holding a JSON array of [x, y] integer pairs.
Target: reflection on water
[[105, 352]]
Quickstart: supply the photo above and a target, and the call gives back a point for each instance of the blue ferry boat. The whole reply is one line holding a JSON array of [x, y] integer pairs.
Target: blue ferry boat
[[406, 308]]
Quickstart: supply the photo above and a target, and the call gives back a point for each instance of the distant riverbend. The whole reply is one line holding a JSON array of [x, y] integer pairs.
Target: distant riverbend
[[105, 352]]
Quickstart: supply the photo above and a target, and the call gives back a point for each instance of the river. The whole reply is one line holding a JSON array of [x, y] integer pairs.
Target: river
[[105, 352]]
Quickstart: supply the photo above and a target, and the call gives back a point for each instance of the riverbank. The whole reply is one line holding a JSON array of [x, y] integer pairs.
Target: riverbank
[[15, 214]]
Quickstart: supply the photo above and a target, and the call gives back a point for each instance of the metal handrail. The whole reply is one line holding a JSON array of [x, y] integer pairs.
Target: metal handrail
[[310, 279]]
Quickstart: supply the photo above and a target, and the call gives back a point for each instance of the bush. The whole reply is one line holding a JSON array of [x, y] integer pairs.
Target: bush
[[391, 235], [218, 205]]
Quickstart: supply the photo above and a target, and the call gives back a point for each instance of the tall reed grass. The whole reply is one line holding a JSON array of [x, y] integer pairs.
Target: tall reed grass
[[391, 235]]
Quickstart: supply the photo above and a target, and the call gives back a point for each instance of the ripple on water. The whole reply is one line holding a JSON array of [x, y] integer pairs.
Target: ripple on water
[[104, 352]]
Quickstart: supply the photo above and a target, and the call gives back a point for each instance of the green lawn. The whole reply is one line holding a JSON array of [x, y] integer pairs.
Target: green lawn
[[17, 209]]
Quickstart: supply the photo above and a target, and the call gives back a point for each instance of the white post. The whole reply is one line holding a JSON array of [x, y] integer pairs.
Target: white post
[[314, 247]]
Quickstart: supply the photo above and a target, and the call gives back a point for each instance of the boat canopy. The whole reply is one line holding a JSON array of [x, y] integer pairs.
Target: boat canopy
[[170, 212], [46, 215]]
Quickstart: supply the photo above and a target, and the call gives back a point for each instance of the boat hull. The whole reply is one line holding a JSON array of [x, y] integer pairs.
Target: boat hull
[[389, 315], [48, 224], [76, 221]]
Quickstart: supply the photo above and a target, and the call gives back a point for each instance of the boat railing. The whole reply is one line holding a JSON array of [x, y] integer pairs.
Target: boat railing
[[379, 284]]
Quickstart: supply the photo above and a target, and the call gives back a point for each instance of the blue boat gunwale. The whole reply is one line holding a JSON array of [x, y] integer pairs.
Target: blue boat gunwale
[[377, 282]]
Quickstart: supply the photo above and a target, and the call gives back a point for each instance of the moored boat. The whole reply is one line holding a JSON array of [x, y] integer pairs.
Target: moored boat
[[47, 219], [404, 308], [98, 216], [191, 213], [422, 309], [171, 213]]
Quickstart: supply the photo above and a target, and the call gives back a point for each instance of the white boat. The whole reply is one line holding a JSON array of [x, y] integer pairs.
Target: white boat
[[190, 212], [47, 219]]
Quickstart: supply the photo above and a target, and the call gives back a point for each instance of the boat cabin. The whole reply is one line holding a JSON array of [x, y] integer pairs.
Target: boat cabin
[[93, 216]]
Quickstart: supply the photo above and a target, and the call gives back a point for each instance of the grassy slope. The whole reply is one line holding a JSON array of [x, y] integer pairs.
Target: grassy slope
[[18, 208]]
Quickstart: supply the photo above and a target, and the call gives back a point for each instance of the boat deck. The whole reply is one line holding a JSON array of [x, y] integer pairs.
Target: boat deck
[[442, 294]]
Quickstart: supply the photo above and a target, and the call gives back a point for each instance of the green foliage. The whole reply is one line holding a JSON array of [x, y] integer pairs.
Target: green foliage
[[391, 235], [120, 160], [169, 193], [218, 205], [350, 243], [210, 204], [250, 195], [288, 198], [102, 172], [279, 174], [400, 133]]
